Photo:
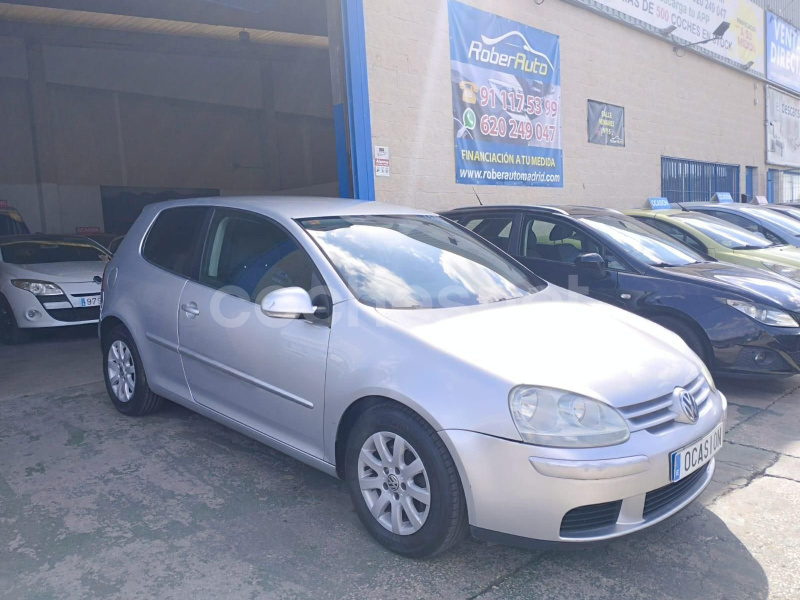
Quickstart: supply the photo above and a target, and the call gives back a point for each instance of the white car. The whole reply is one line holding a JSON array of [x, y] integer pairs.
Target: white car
[[48, 281]]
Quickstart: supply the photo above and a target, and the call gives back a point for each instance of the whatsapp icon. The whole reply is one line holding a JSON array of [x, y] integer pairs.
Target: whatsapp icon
[[469, 118]]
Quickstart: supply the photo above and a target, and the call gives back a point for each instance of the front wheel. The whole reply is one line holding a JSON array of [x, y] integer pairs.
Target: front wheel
[[10, 331], [125, 378], [403, 482]]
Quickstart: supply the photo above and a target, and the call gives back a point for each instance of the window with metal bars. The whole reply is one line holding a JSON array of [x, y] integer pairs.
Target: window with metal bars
[[685, 180]]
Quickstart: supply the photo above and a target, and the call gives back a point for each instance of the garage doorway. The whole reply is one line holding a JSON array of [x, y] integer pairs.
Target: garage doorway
[[113, 101]]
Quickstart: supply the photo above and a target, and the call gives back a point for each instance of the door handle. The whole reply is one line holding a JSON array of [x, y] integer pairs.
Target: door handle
[[190, 309]]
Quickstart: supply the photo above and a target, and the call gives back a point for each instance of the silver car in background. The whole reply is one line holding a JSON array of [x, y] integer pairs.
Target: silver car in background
[[448, 386]]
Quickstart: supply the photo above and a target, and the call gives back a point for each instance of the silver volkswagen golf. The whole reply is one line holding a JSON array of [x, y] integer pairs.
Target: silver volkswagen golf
[[449, 387]]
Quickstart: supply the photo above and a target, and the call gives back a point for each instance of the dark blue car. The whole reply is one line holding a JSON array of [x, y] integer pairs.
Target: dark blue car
[[738, 320], [777, 227]]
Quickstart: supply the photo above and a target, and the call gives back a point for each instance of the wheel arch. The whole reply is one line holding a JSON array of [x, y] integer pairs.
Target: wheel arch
[[652, 313], [108, 324]]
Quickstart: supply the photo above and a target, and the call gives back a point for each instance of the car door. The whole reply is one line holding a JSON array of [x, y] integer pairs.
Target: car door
[[549, 247], [266, 373], [148, 292]]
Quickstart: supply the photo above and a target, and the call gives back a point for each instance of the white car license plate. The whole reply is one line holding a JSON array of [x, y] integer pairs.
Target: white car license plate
[[687, 460], [90, 301]]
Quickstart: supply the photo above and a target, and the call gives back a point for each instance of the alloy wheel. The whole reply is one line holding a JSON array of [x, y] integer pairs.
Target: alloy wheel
[[121, 371], [394, 483]]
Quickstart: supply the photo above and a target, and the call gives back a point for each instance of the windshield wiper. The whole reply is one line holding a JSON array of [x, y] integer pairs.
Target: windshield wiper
[[751, 247]]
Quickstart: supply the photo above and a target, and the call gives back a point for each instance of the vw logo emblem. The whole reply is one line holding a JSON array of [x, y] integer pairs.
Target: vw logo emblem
[[688, 406]]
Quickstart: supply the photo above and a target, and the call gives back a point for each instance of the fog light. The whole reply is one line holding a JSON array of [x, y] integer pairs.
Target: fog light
[[760, 357], [32, 315]]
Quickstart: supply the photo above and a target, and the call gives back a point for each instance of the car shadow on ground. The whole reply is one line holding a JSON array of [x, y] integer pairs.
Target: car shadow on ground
[[174, 502]]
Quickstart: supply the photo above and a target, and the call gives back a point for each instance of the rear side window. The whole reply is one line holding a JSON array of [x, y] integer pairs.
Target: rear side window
[[11, 223], [174, 238], [496, 230]]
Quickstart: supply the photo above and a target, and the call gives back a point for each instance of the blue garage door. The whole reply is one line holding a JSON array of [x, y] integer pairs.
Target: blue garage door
[[693, 181]]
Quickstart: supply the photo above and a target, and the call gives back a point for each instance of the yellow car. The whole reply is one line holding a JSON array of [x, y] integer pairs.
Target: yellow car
[[723, 241]]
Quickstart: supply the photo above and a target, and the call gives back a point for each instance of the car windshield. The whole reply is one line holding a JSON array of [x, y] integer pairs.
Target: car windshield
[[417, 261], [724, 233], [774, 217], [789, 210], [643, 242], [36, 252]]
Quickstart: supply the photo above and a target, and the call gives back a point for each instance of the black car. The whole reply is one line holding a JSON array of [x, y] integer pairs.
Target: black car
[[737, 319]]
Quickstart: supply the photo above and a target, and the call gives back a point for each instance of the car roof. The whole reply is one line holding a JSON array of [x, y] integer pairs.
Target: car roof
[[291, 207], [648, 212], [721, 205], [572, 210], [42, 237]]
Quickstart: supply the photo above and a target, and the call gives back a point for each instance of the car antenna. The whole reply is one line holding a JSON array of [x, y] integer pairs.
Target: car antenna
[[476, 195], [681, 206]]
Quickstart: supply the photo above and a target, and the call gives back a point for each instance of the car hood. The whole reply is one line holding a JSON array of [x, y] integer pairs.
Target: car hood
[[757, 285], [561, 340], [785, 255], [62, 272]]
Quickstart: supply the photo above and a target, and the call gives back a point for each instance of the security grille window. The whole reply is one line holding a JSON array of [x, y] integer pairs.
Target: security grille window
[[693, 181], [174, 237]]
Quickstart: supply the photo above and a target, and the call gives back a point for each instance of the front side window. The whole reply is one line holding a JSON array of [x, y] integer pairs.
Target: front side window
[[417, 261], [556, 241], [39, 252], [173, 240], [251, 256], [722, 232], [646, 244], [738, 220]]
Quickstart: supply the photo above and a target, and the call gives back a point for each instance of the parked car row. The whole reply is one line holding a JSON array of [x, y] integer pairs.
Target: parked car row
[[677, 268]]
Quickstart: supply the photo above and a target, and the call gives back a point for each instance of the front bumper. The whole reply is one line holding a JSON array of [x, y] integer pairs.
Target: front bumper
[[34, 312], [519, 491]]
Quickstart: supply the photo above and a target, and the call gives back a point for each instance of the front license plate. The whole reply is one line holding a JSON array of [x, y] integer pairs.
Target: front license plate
[[90, 301], [687, 460]]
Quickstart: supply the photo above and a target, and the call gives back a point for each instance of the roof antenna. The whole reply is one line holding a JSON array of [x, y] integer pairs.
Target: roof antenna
[[476, 195]]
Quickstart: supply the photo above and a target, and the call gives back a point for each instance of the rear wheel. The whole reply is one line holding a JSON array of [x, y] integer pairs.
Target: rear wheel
[[10, 331], [125, 378], [688, 335], [403, 482]]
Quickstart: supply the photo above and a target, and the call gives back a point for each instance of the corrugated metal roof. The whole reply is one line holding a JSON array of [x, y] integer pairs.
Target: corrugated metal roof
[[788, 10], [78, 18]]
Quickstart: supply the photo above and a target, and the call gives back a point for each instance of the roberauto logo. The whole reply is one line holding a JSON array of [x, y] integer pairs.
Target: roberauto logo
[[519, 61]]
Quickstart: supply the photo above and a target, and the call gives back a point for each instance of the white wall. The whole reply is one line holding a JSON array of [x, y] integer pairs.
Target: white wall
[[684, 107]]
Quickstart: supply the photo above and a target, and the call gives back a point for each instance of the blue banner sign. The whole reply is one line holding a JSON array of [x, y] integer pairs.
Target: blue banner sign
[[506, 82], [659, 203], [783, 53]]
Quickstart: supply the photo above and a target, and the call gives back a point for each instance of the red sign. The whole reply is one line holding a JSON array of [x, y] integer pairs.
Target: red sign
[[87, 230]]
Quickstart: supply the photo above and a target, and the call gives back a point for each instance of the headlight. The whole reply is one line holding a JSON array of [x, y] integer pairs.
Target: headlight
[[763, 314], [784, 270], [709, 378], [548, 417], [38, 288]]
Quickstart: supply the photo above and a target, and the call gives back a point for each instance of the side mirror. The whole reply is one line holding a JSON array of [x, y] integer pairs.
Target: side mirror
[[593, 263], [288, 303]]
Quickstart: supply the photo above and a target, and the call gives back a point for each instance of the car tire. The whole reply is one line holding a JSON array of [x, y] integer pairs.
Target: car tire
[[124, 375], [397, 492], [688, 335], [11, 333]]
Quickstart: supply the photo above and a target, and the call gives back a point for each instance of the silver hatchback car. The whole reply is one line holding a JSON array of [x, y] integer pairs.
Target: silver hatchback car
[[449, 387]]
